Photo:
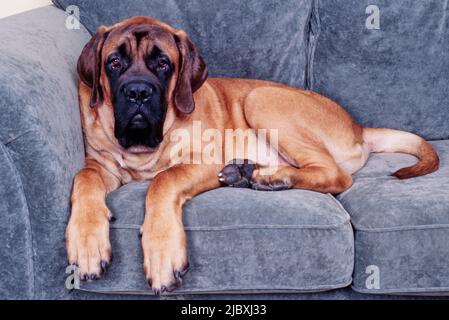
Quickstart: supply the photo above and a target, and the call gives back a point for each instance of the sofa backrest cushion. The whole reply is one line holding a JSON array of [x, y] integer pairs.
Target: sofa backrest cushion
[[396, 76], [252, 38]]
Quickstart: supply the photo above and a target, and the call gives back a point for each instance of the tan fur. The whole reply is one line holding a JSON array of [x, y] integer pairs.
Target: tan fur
[[320, 144], [388, 140]]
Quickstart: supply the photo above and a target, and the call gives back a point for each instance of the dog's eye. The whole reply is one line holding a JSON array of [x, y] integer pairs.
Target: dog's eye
[[162, 65], [115, 63]]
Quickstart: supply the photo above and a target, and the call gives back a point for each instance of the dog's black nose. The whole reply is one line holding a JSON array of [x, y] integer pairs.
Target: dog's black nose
[[138, 92]]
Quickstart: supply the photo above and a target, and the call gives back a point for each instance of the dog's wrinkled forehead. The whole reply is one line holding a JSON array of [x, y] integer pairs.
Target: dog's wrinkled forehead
[[138, 39]]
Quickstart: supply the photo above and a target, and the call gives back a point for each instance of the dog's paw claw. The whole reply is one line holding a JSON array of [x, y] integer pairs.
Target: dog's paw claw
[[165, 259], [157, 292], [104, 265]]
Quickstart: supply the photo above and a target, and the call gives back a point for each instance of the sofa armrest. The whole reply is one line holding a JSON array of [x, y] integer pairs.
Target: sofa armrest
[[41, 149]]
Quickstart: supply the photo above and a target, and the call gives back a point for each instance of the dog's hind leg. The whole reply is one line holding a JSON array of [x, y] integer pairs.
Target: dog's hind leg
[[306, 129], [323, 176], [316, 177]]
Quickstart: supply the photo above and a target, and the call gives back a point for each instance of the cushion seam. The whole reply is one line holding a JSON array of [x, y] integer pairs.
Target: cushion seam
[[306, 35], [243, 227], [389, 178], [227, 291], [401, 228], [340, 205], [401, 290], [314, 14]]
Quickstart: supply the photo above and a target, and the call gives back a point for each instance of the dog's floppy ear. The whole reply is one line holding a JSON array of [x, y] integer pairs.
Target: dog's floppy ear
[[192, 73], [89, 65]]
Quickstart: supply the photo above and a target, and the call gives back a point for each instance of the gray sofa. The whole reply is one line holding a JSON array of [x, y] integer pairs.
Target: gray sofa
[[381, 239]]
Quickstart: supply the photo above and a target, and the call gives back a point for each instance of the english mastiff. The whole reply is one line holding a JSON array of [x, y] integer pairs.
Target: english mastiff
[[142, 81]]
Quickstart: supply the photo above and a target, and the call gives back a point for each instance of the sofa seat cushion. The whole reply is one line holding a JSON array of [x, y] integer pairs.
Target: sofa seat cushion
[[240, 241], [401, 227]]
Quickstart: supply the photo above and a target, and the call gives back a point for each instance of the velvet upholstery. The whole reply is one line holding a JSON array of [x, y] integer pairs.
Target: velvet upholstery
[[16, 255], [337, 294], [256, 39], [41, 149], [396, 76], [243, 244], [291, 241], [401, 227]]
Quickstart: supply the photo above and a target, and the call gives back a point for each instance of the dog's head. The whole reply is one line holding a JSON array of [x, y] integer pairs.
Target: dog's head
[[141, 68]]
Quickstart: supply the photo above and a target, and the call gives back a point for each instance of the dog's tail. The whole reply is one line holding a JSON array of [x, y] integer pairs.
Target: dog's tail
[[389, 140]]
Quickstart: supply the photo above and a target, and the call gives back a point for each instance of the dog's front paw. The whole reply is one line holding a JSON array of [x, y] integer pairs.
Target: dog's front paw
[[237, 174], [87, 241], [165, 256]]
